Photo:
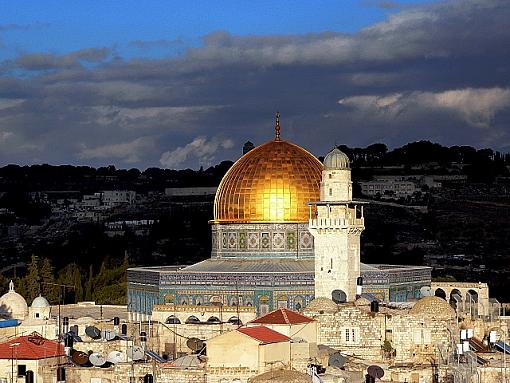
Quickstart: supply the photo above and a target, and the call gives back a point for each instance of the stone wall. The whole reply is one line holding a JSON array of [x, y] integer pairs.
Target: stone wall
[[128, 372]]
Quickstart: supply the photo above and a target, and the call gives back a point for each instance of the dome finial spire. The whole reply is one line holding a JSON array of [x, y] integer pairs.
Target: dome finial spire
[[277, 127]]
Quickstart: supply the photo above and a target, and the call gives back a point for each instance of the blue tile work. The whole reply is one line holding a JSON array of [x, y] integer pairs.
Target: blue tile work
[[265, 290]]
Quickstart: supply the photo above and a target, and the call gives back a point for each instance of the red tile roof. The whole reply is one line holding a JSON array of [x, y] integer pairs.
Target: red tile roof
[[263, 334], [32, 347], [283, 316]]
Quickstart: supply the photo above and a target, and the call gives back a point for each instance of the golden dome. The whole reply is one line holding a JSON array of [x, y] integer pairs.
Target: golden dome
[[271, 183]]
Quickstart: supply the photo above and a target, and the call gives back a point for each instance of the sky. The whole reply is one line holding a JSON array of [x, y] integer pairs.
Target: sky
[[181, 84]]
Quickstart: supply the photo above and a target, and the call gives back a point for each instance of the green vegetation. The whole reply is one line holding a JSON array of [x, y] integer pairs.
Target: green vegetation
[[72, 284]]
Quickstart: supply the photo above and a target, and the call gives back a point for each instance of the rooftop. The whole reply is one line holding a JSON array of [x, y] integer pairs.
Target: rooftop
[[283, 316], [31, 347], [263, 334]]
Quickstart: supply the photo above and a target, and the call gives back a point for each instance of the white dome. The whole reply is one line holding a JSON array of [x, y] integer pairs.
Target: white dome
[[13, 305], [40, 302], [336, 160]]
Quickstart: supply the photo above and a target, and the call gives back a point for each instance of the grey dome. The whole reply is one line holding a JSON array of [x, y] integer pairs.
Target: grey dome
[[336, 160], [40, 302]]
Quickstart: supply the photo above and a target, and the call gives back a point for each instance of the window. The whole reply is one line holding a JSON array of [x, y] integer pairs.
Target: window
[[22, 369], [330, 191], [350, 335]]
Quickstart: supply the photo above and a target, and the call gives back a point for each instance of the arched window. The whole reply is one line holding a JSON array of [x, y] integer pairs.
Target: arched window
[[213, 320], [74, 329], [440, 293], [192, 320], [235, 320], [172, 319]]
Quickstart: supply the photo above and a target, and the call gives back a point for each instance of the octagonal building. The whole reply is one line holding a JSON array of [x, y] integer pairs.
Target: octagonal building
[[262, 252]]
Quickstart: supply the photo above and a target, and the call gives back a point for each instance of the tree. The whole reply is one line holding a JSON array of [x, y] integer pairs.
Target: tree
[[88, 285], [32, 280], [48, 288], [71, 275]]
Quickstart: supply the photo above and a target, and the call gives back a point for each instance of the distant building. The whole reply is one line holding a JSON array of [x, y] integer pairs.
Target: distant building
[[388, 188], [91, 200], [248, 146], [191, 192], [118, 197]]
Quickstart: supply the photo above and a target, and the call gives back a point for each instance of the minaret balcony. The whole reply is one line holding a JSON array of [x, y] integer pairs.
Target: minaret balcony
[[335, 223]]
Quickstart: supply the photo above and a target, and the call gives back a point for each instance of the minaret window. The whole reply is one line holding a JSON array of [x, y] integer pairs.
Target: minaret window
[[330, 191]]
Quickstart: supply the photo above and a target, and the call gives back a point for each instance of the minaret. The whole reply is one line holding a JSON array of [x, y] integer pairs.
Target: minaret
[[336, 230]]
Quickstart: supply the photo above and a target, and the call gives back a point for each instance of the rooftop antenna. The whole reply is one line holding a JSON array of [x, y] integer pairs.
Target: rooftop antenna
[[277, 127]]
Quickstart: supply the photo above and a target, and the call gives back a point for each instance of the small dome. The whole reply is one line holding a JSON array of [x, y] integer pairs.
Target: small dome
[[40, 302], [434, 307], [322, 304], [13, 305], [362, 301], [336, 160], [281, 376]]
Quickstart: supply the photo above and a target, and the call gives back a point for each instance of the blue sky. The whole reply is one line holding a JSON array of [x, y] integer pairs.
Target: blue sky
[[185, 84], [60, 27]]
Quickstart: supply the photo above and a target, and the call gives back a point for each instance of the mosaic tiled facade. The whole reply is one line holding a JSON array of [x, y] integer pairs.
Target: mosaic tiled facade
[[265, 290], [271, 240]]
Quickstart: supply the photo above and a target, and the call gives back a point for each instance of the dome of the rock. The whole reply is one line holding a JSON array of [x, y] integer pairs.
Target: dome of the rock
[[271, 183]]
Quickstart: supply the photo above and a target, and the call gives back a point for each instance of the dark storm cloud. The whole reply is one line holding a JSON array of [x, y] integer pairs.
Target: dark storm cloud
[[437, 72], [45, 61], [149, 44]]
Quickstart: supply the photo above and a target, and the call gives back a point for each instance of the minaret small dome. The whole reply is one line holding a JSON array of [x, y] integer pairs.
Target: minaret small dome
[[40, 302], [336, 160], [13, 305]]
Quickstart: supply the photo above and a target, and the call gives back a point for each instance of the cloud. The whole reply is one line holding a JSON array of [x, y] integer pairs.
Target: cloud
[[45, 61], [437, 71], [22, 27], [201, 148], [150, 44], [476, 106], [384, 4], [128, 152], [4, 136]]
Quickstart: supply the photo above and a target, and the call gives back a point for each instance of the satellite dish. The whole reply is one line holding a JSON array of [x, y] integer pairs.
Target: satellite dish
[[79, 357], [135, 353], [195, 344], [93, 332], [108, 335], [116, 357], [97, 359], [375, 371], [426, 291], [338, 296], [336, 360]]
